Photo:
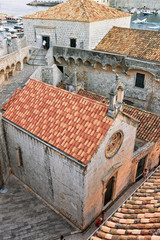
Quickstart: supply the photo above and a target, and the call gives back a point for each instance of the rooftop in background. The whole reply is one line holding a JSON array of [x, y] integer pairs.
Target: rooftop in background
[[79, 11], [138, 218], [136, 43], [149, 123], [72, 123]]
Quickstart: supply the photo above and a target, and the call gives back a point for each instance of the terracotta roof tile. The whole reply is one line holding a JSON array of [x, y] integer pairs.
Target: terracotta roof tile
[[136, 43], [79, 11], [57, 123], [149, 123], [138, 222]]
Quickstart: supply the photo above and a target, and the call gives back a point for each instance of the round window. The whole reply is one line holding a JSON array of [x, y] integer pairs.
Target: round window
[[114, 144]]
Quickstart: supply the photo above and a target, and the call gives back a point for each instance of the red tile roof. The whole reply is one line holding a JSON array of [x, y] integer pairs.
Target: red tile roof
[[79, 11], [136, 43], [93, 96], [138, 218], [72, 123], [149, 123]]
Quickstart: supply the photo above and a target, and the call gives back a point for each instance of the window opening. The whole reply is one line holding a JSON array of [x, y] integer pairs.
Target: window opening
[[72, 42], [140, 80]]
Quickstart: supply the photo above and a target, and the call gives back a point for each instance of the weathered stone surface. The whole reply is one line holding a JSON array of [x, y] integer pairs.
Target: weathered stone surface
[[23, 216]]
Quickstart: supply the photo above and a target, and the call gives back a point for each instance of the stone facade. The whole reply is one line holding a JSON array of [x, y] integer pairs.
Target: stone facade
[[69, 186], [87, 35], [49, 74], [13, 62], [54, 177], [135, 4], [96, 72], [100, 169]]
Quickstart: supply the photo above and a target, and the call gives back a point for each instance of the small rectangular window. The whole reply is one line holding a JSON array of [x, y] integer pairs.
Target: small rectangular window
[[72, 42], [19, 156], [140, 80]]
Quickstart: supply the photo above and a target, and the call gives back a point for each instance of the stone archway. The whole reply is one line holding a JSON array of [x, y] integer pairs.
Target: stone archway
[[109, 191], [118, 69], [2, 76], [98, 66], [109, 185], [71, 61], [108, 68], [18, 66], [87, 63], [25, 60], [79, 62], [61, 61]]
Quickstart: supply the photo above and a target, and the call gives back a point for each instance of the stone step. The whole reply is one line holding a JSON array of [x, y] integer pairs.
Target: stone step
[[37, 62]]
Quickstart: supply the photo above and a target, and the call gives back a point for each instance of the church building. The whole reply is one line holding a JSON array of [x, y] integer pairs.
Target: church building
[[73, 151]]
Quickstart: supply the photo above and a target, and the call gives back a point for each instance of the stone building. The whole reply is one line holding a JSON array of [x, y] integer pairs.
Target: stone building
[[69, 148], [131, 53], [75, 23], [59, 156]]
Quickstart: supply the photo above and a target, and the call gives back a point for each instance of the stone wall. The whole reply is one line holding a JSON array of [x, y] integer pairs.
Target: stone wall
[[59, 32], [49, 74], [100, 168], [15, 45], [96, 71], [13, 62], [56, 178], [135, 3], [151, 151], [87, 35], [99, 29]]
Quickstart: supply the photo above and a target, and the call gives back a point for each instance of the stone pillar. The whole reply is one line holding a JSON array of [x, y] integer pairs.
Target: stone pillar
[[120, 95], [2, 77], [111, 108]]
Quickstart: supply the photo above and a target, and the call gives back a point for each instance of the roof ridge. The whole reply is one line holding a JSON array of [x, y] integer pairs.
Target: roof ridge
[[136, 29], [84, 9]]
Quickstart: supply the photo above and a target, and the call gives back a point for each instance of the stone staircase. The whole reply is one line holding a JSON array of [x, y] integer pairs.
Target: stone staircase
[[38, 57]]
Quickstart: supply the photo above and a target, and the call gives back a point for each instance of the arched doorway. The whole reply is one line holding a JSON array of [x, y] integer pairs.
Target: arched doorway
[[109, 191], [140, 168]]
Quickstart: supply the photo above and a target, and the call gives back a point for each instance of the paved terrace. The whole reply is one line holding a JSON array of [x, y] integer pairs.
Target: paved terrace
[[24, 216], [18, 81]]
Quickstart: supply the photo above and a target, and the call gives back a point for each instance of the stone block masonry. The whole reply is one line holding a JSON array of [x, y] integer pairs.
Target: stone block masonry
[[136, 3]]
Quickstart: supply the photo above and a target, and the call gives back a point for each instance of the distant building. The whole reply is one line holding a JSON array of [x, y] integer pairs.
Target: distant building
[[75, 23], [106, 2], [135, 4]]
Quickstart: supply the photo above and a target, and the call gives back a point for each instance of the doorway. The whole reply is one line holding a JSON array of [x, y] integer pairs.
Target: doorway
[[47, 39], [140, 168], [109, 191]]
